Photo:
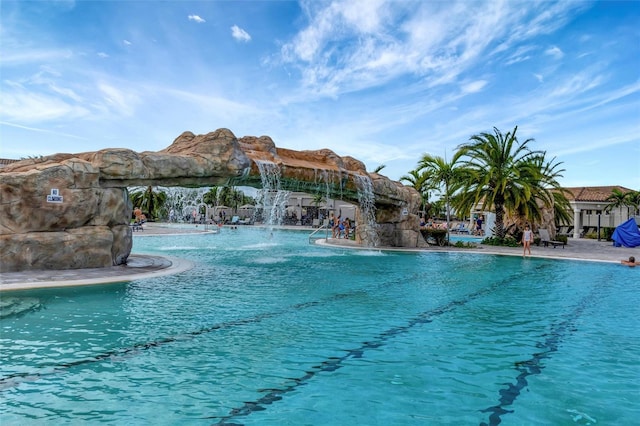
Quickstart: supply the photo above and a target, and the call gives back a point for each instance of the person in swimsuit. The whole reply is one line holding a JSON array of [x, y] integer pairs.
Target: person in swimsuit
[[527, 237]]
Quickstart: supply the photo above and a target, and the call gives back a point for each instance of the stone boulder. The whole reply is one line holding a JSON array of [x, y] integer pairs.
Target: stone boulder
[[68, 211]]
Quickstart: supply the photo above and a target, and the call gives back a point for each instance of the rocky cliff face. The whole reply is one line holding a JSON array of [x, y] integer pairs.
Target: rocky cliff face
[[72, 210]]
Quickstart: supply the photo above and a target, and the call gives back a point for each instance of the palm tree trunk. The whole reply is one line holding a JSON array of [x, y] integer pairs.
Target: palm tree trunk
[[448, 211], [499, 220]]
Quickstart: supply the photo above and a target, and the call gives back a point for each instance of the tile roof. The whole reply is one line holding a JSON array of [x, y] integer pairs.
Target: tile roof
[[593, 193]]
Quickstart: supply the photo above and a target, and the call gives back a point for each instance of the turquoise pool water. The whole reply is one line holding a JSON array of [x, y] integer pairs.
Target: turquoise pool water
[[267, 330]]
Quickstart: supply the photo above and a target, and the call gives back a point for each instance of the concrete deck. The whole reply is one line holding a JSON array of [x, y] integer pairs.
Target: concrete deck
[[144, 266], [580, 249]]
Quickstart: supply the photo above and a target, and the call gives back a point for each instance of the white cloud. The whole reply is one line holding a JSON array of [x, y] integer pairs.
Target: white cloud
[[34, 56], [103, 55], [555, 52], [197, 19], [120, 101], [126, 42], [474, 86], [33, 107], [240, 34]]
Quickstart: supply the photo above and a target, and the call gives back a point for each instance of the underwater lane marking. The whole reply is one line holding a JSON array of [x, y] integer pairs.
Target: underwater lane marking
[[13, 380], [334, 363], [534, 365]]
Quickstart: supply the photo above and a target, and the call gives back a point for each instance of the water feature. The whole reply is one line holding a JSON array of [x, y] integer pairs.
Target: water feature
[[272, 200], [366, 199], [184, 201], [267, 330]]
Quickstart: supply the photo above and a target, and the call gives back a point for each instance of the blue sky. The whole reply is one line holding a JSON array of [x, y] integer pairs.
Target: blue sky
[[382, 81]]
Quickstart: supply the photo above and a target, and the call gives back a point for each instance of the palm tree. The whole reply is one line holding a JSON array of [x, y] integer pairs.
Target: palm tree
[[619, 199], [211, 197], [420, 182], [149, 200], [441, 172], [544, 191], [633, 198], [318, 198], [505, 174], [379, 168]]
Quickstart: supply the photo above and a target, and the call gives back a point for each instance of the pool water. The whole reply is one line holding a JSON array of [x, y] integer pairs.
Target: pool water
[[269, 330]]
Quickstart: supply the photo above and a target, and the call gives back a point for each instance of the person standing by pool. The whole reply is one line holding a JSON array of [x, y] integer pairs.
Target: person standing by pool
[[479, 226], [527, 236], [335, 229]]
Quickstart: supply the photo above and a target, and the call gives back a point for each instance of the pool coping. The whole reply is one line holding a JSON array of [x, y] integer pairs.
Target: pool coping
[[139, 266], [558, 254]]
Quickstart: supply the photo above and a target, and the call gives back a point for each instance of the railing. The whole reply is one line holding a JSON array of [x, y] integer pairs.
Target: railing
[[320, 228]]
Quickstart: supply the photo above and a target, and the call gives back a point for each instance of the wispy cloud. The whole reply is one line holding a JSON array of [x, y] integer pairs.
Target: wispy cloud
[[197, 19], [39, 130], [555, 52], [240, 34], [26, 56], [122, 102]]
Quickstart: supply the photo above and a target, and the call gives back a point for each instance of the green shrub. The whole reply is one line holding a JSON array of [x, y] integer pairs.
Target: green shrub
[[606, 233], [562, 238], [507, 241]]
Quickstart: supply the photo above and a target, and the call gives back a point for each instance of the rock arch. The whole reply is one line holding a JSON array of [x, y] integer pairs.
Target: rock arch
[[68, 211]]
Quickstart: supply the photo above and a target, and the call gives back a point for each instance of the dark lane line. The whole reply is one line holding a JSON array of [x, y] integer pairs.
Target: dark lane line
[[334, 363], [534, 365], [12, 380]]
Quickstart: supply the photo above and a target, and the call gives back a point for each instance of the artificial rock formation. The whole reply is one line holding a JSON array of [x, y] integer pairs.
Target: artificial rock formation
[[69, 211]]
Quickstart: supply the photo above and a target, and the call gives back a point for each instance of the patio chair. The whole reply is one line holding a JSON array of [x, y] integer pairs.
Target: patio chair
[[462, 229], [546, 239]]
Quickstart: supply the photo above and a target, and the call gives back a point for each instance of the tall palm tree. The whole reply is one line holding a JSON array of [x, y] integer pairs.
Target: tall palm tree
[[420, 182], [318, 198], [544, 190], [503, 173], [148, 200], [211, 197], [443, 173], [619, 199], [634, 200]]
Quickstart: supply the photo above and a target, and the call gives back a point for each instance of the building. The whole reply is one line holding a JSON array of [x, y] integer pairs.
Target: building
[[589, 204]]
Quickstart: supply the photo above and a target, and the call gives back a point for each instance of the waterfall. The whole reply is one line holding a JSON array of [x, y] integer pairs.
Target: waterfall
[[366, 198], [271, 199]]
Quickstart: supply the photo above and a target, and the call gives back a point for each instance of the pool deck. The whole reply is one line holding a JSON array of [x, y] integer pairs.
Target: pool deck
[[146, 266]]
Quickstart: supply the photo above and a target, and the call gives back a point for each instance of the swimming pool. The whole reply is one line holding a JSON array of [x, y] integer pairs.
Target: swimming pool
[[267, 330]]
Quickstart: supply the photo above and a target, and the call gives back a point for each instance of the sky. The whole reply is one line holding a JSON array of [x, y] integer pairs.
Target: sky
[[382, 81]]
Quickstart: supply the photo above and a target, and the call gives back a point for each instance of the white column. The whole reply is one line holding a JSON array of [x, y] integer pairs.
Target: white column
[[577, 225]]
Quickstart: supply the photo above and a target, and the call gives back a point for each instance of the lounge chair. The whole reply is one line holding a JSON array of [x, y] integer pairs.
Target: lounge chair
[[137, 226], [316, 223], [546, 239], [462, 229], [234, 220]]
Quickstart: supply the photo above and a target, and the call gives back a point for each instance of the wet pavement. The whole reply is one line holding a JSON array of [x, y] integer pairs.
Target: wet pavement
[[146, 266]]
